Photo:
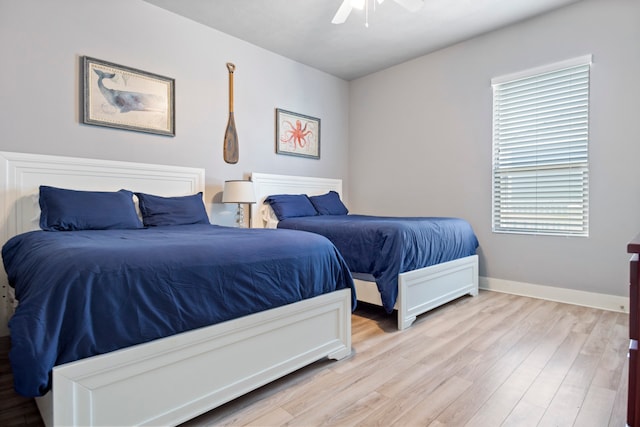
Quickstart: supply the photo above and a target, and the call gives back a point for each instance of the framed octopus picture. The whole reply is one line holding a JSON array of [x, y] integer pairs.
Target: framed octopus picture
[[297, 134]]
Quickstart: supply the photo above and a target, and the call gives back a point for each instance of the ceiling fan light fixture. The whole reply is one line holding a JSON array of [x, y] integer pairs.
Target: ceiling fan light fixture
[[343, 12], [358, 4], [348, 5]]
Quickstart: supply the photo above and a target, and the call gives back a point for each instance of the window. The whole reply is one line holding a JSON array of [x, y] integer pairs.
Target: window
[[540, 150]]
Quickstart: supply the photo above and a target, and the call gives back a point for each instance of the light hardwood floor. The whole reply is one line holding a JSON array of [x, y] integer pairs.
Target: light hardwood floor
[[490, 360]]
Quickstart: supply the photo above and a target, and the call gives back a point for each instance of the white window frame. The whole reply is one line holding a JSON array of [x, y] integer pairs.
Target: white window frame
[[540, 174]]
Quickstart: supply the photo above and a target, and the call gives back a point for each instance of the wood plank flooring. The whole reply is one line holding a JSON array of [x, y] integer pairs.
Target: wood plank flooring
[[491, 360], [15, 410]]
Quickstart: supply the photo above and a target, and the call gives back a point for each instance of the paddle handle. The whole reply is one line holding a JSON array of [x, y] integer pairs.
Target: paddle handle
[[231, 67]]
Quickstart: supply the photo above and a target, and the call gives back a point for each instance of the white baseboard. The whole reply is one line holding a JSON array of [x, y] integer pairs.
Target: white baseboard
[[569, 296]]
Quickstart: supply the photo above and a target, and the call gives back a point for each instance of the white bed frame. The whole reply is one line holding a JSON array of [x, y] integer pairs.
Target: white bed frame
[[418, 291], [174, 379]]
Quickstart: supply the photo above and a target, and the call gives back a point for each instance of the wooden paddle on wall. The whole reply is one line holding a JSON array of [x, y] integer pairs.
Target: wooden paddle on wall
[[231, 153]]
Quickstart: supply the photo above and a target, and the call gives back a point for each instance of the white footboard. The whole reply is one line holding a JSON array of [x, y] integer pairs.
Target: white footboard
[[427, 288], [171, 380]]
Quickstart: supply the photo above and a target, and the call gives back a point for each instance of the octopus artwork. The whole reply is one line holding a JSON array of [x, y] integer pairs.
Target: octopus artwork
[[298, 135]]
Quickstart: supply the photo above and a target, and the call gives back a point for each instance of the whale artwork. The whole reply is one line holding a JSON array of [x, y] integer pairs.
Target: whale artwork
[[127, 98], [129, 101]]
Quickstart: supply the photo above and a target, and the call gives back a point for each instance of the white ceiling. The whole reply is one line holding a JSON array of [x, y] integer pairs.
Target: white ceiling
[[302, 30]]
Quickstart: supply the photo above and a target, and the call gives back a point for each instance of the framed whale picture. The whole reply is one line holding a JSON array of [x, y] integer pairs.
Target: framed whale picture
[[126, 98]]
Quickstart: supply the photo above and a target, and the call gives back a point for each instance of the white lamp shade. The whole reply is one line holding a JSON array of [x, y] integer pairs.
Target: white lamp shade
[[238, 192]]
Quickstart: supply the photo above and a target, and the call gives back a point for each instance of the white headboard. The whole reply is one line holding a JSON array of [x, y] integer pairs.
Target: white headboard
[[267, 184], [22, 174]]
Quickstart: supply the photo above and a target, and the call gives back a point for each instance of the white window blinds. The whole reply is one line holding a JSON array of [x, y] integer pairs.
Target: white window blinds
[[540, 150]]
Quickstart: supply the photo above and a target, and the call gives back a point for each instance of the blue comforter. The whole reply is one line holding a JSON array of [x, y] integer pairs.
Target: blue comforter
[[387, 246], [83, 293]]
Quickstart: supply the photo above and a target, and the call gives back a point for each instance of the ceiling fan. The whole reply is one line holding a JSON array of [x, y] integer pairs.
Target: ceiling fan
[[348, 5]]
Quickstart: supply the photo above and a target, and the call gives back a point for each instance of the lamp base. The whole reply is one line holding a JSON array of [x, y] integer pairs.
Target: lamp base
[[240, 216]]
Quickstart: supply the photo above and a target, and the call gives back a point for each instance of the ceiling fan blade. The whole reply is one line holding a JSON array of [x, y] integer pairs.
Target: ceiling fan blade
[[343, 12], [411, 5]]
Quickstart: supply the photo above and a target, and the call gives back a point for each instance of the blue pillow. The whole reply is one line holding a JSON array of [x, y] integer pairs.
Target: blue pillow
[[329, 204], [291, 205], [70, 210], [181, 210]]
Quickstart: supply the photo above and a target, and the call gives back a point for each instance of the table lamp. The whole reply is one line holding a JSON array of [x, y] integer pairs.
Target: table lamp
[[240, 192]]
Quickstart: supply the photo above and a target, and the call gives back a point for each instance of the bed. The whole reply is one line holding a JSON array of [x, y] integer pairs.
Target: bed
[[169, 379], [418, 290]]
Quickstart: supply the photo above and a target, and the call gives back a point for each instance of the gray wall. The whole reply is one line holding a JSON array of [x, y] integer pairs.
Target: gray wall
[[420, 141], [423, 126], [41, 43]]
